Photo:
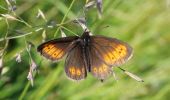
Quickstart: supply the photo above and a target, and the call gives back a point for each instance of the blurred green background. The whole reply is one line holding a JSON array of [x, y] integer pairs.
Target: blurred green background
[[144, 24]]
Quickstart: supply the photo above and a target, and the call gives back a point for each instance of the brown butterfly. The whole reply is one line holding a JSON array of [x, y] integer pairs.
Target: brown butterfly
[[94, 54]]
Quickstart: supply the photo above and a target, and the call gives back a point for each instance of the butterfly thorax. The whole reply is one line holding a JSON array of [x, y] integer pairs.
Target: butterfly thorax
[[85, 39]]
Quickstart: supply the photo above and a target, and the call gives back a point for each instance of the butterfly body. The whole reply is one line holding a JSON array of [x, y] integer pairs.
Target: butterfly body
[[94, 54]]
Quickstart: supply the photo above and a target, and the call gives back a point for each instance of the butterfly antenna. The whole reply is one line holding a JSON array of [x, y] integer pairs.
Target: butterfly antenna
[[132, 75]]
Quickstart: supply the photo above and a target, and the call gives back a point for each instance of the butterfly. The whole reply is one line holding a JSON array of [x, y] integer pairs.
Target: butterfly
[[87, 54]]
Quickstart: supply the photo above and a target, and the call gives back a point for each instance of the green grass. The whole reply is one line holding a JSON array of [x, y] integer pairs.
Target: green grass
[[144, 24]]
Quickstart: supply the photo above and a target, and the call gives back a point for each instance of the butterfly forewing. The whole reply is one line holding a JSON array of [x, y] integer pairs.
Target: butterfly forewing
[[57, 48], [74, 64], [110, 50]]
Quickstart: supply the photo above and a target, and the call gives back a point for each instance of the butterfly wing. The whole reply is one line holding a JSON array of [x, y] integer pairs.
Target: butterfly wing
[[110, 50], [74, 64], [98, 68], [57, 48]]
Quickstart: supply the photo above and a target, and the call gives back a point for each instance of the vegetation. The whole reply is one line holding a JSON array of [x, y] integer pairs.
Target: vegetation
[[144, 24]]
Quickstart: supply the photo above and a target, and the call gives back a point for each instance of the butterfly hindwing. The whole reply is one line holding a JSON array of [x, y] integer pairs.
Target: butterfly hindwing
[[57, 48], [110, 50], [74, 64], [98, 68]]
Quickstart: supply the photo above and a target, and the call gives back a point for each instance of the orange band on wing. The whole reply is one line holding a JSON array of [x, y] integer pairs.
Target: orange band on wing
[[52, 51], [100, 69], [76, 71], [119, 52], [47, 48]]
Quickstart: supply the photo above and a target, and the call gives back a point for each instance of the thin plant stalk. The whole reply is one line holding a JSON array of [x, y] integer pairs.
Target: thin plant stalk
[[55, 34]]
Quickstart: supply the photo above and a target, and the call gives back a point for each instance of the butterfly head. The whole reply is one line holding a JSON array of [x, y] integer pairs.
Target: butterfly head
[[86, 33]]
